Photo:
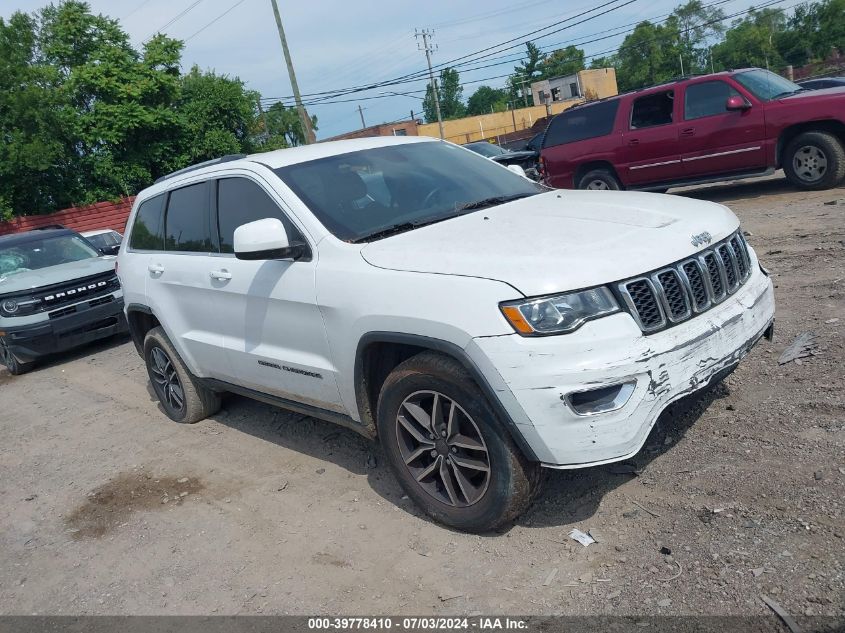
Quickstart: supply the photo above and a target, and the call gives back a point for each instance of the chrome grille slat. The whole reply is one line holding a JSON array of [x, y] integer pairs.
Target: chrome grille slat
[[678, 292]]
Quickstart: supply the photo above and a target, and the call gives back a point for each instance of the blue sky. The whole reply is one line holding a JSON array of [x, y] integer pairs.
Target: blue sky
[[338, 43]]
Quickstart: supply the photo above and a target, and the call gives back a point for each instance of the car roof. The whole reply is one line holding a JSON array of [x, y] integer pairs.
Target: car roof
[[97, 232], [30, 236], [285, 157]]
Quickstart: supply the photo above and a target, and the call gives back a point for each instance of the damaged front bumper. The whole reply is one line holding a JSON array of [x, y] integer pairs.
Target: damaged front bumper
[[593, 396]]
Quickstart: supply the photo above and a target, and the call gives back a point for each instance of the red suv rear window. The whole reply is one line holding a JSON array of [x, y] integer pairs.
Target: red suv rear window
[[582, 123]]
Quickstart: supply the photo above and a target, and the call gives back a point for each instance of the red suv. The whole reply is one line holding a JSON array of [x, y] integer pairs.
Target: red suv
[[703, 129]]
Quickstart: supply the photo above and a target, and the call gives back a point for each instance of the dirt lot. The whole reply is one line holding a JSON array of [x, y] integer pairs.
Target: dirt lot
[[107, 507]]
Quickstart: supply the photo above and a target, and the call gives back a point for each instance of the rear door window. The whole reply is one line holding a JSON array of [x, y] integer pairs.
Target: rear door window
[[582, 123], [707, 99], [187, 222], [148, 230], [653, 110]]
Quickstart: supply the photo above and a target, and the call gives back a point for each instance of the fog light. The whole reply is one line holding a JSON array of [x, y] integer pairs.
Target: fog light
[[601, 399]]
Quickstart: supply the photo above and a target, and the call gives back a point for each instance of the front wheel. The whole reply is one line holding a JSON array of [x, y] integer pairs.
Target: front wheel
[[182, 397], [448, 450], [599, 180], [814, 160]]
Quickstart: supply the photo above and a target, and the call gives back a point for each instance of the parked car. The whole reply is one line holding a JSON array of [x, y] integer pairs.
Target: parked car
[[106, 240], [526, 159], [480, 325], [56, 292], [822, 83], [704, 129]]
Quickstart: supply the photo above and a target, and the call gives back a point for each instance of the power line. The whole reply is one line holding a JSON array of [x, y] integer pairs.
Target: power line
[[222, 15], [332, 98], [174, 20], [592, 56], [135, 10]]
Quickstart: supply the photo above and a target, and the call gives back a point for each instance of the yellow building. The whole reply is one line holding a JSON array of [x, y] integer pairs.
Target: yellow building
[[585, 85]]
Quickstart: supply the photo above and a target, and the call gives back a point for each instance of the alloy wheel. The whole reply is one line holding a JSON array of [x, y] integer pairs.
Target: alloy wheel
[[810, 163], [442, 448], [166, 380], [598, 185]]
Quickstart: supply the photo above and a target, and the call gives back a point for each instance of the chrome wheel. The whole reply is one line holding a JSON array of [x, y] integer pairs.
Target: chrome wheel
[[166, 380], [442, 448], [598, 185], [809, 163]]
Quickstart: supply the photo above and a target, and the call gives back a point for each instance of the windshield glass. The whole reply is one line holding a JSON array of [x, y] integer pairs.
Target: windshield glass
[[766, 85], [367, 192], [43, 253], [486, 149]]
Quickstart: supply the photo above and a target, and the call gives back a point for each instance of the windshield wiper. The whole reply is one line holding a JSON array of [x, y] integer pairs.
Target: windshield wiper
[[492, 201], [786, 93]]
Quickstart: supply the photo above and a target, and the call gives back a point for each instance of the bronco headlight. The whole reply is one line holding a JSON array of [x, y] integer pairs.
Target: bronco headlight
[[18, 306], [559, 314]]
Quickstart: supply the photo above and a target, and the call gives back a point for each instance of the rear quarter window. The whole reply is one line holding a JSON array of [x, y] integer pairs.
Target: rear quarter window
[[582, 123], [188, 220], [147, 232]]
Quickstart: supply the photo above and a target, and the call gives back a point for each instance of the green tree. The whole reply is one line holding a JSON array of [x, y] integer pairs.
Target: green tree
[[751, 41], [563, 62], [284, 129], [486, 100], [449, 91]]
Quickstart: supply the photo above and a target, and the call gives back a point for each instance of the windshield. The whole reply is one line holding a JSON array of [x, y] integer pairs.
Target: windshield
[[364, 193], [486, 149], [766, 85], [43, 253]]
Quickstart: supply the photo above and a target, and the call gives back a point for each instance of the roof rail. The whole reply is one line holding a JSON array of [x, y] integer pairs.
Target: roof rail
[[208, 163]]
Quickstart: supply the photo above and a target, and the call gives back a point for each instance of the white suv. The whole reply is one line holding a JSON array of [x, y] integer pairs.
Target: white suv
[[479, 324]]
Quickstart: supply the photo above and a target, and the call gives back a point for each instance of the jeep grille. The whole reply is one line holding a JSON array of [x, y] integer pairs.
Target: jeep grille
[[689, 287]]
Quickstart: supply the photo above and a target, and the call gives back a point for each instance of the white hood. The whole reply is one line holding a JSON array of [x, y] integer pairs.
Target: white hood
[[559, 241]]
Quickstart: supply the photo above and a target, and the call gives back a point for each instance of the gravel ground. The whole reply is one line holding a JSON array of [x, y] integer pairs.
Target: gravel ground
[[107, 507]]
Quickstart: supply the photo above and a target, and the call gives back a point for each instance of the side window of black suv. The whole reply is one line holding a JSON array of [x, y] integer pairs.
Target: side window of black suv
[[582, 123]]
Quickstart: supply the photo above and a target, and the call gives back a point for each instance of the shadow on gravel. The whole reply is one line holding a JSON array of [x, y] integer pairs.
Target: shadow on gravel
[[77, 353], [571, 496]]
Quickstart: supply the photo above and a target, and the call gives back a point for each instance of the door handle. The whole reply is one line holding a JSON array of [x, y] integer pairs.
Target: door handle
[[220, 274], [634, 141], [155, 269], [690, 131]]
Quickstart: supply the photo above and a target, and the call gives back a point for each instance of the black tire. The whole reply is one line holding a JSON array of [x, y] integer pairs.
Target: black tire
[[496, 496], [599, 179], [196, 402], [15, 367], [814, 160]]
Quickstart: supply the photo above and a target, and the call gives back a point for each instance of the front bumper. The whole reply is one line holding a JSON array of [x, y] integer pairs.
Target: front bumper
[[533, 376], [87, 324]]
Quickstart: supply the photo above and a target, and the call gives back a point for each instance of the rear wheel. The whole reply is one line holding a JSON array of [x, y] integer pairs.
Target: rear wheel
[[448, 450], [182, 396], [15, 367], [814, 160], [599, 180]]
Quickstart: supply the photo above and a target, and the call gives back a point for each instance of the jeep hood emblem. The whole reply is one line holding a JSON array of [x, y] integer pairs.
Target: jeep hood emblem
[[702, 238]]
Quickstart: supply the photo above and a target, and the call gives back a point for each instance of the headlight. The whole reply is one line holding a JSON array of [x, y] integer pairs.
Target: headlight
[[559, 314], [18, 306], [10, 306]]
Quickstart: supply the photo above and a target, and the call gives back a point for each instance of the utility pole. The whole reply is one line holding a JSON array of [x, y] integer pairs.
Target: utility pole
[[524, 93], [361, 112], [304, 119], [428, 47], [681, 58]]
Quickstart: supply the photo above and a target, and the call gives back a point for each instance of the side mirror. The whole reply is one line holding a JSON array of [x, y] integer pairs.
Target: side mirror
[[517, 170], [735, 102], [264, 239]]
